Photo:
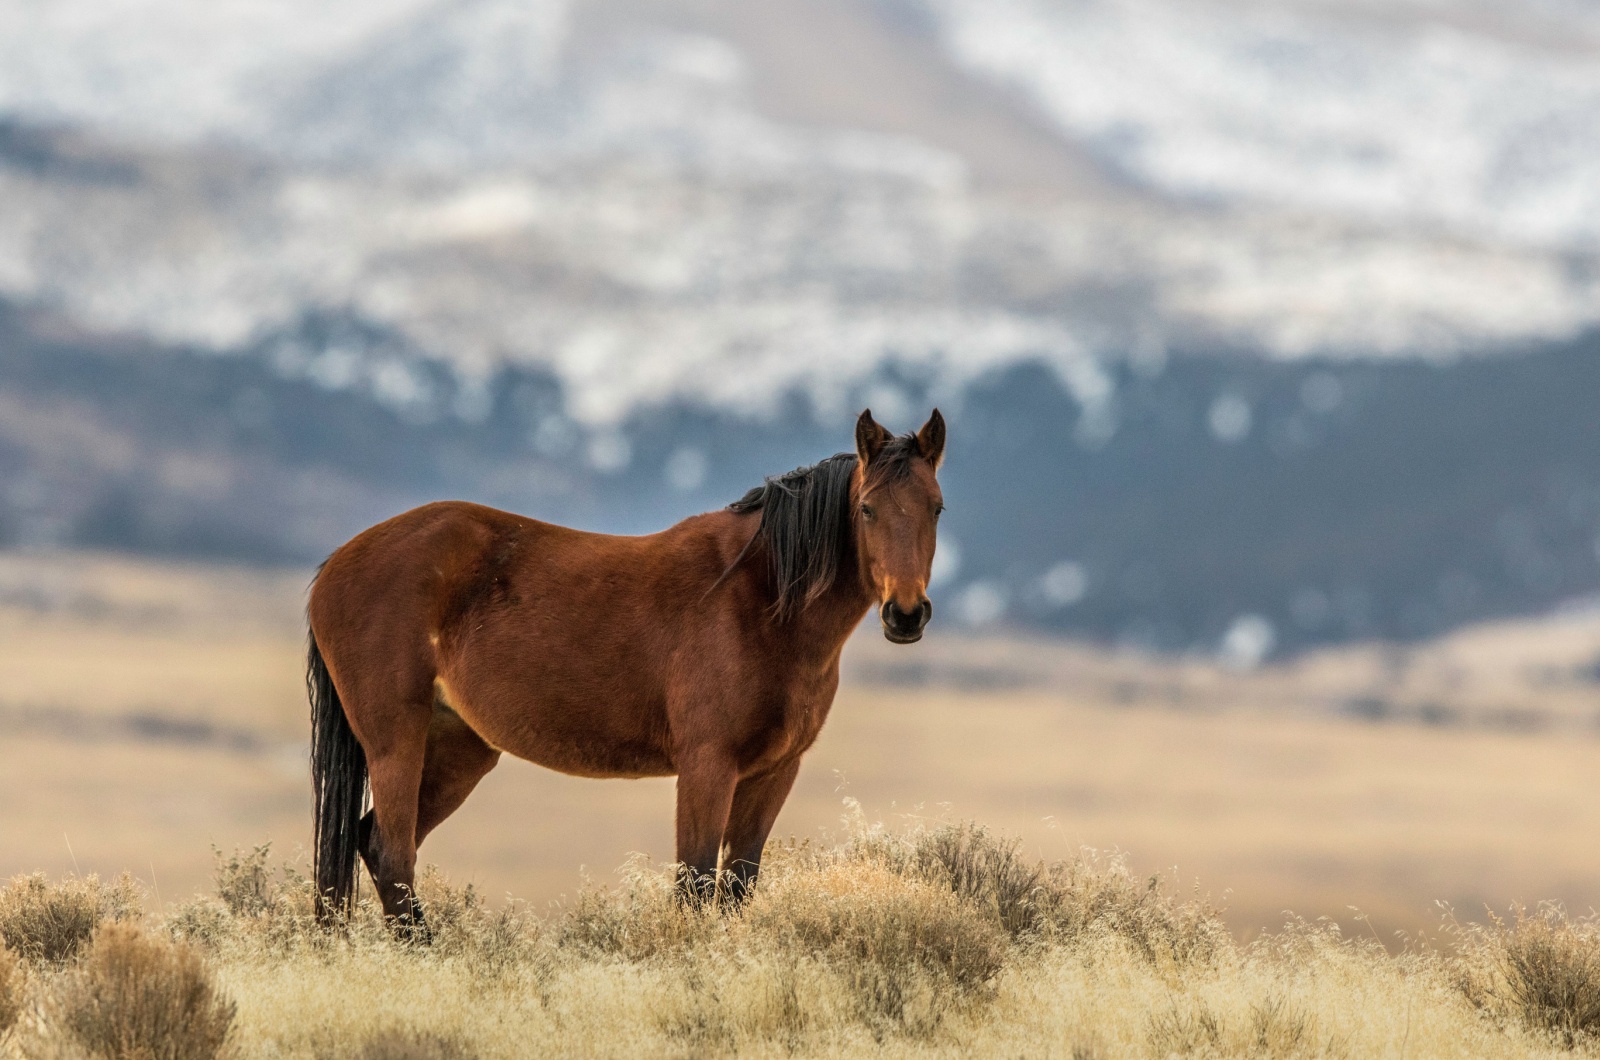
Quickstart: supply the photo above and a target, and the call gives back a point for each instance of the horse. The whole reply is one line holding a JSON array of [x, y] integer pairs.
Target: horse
[[454, 633]]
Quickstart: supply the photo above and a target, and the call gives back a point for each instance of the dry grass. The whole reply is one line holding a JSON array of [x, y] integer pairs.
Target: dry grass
[[13, 985], [940, 942]]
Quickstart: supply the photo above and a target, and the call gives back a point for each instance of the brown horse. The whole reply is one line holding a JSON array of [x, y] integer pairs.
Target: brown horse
[[710, 650]]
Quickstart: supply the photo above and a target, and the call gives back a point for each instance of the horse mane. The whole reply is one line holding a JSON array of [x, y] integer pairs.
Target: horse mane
[[806, 521]]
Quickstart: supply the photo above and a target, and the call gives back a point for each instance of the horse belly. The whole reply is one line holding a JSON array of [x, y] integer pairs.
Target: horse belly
[[583, 732]]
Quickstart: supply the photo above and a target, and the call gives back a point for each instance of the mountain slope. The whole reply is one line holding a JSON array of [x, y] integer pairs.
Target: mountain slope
[[1216, 503]]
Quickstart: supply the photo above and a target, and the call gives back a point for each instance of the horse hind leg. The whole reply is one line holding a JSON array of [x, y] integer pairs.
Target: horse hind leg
[[424, 771], [389, 831]]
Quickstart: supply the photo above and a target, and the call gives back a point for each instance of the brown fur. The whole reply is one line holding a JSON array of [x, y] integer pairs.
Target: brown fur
[[455, 632]]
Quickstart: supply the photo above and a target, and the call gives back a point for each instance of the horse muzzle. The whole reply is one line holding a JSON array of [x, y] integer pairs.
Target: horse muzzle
[[905, 627]]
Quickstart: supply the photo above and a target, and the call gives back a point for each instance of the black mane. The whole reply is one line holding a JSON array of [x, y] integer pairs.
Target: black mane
[[806, 521]]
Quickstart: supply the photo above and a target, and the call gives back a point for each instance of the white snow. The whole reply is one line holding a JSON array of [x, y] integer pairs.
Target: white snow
[[1406, 178], [1404, 113]]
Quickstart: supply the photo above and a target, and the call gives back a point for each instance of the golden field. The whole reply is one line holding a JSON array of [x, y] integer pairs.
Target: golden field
[[152, 712], [936, 941]]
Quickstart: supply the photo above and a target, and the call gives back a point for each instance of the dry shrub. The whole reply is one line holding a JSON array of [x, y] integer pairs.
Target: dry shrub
[[1093, 897], [252, 907], [1279, 1029], [48, 923], [1069, 902], [905, 946], [202, 921], [244, 891], [1542, 969], [937, 941], [1186, 1031], [731, 997], [900, 945], [258, 908], [244, 882], [867, 915], [136, 996], [986, 871], [493, 942], [1274, 1029], [12, 985], [640, 920]]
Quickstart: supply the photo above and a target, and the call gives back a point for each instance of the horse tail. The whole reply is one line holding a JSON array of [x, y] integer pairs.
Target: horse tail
[[339, 788]]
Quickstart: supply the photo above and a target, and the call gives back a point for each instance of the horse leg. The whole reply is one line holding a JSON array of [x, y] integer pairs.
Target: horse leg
[[457, 758], [389, 831], [705, 795], [756, 802]]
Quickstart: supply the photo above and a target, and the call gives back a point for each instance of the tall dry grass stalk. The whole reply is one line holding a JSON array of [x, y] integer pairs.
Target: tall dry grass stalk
[[938, 942]]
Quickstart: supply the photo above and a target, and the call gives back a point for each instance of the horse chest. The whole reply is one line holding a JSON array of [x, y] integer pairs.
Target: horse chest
[[794, 728], [804, 720]]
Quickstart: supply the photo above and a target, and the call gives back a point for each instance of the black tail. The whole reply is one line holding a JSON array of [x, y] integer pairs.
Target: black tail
[[339, 785]]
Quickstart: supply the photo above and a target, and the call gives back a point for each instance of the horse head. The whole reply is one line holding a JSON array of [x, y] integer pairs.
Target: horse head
[[895, 511]]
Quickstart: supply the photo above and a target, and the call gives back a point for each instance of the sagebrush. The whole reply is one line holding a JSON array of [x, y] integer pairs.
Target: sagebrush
[[49, 923], [134, 996], [1540, 968]]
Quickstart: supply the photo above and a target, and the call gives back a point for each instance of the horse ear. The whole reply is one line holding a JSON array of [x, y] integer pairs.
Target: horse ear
[[930, 440], [870, 438]]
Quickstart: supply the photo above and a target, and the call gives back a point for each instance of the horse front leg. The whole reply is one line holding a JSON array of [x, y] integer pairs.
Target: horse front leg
[[706, 782], [756, 802]]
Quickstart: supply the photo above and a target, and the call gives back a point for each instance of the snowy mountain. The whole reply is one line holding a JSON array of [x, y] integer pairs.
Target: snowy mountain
[[1473, 118], [621, 192]]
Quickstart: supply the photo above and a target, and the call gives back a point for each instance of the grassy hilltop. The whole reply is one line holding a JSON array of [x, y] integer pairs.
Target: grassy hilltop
[[936, 942]]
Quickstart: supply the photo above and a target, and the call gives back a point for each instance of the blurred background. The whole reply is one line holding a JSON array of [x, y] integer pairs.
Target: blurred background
[[1268, 332]]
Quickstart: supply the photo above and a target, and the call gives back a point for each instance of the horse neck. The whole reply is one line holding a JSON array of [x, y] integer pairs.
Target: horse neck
[[825, 623], [828, 621]]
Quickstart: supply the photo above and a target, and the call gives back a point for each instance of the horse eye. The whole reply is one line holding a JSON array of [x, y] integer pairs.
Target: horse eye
[[866, 511], [938, 511]]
